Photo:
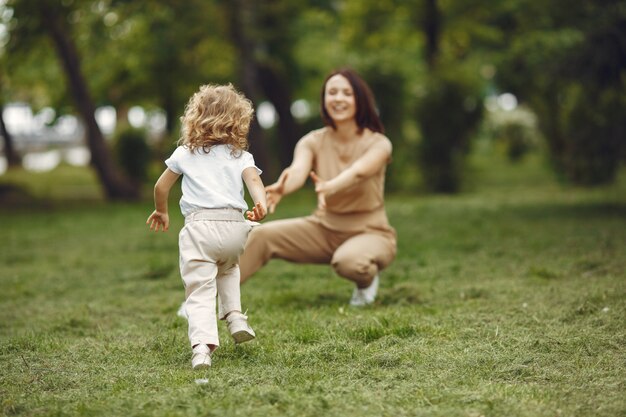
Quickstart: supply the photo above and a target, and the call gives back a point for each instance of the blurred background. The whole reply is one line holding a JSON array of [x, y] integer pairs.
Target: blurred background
[[102, 84]]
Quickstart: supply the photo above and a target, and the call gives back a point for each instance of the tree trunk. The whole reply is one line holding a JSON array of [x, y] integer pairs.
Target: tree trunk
[[171, 114], [277, 92], [13, 158], [114, 183], [241, 17], [432, 28]]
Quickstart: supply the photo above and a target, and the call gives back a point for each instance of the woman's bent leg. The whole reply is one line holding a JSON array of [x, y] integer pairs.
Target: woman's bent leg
[[361, 257], [298, 240]]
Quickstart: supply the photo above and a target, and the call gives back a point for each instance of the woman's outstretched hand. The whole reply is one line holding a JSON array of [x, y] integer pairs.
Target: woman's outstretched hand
[[320, 189], [274, 192], [257, 213]]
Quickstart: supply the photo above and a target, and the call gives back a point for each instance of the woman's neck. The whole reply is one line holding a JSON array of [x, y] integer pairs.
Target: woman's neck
[[346, 131]]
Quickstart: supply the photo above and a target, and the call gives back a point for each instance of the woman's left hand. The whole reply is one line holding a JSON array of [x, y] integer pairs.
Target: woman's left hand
[[321, 189]]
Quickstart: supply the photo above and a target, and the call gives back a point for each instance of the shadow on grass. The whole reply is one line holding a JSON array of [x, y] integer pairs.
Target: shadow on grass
[[571, 211], [14, 196], [299, 300], [247, 352], [403, 293], [18, 199]]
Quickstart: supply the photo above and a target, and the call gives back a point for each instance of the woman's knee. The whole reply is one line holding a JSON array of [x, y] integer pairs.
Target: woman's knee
[[257, 236], [358, 269]]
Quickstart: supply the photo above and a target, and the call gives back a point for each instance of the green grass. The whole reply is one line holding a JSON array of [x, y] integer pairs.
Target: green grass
[[506, 300]]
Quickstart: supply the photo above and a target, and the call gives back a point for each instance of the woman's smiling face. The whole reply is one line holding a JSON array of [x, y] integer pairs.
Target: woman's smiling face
[[339, 99]]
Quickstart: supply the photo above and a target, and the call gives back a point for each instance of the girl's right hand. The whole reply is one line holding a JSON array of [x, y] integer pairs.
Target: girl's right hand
[[157, 220]]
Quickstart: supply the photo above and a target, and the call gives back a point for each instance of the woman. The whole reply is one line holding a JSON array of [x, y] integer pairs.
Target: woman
[[346, 159]]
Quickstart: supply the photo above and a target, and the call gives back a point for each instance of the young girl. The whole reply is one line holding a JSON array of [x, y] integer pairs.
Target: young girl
[[213, 161]]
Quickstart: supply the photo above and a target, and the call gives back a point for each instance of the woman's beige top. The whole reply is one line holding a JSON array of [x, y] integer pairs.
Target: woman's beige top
[[357, 208]]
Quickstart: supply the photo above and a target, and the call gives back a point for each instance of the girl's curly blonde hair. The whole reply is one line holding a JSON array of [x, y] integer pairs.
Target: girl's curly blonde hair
[[216, 114]]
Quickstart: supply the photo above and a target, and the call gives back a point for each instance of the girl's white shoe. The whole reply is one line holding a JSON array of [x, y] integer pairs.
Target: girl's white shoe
[[201, 357], [239, 328]]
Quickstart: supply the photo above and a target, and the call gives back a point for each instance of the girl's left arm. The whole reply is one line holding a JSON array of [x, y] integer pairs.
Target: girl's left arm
[[369, 164]]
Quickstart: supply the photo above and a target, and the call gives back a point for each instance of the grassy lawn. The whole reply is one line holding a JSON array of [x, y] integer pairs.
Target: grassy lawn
[[506, 300]]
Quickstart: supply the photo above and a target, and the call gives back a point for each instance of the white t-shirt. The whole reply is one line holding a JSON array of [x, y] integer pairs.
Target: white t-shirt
[[211, 179]]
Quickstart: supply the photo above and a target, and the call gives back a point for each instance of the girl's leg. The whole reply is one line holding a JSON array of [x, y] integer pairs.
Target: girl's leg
[[199, 271], [229, 294], [300, 240], [233, 240], [230, 304], [200, 293], [233, 236]]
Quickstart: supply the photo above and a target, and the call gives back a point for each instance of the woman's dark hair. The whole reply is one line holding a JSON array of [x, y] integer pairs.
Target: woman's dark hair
[[366, 114]]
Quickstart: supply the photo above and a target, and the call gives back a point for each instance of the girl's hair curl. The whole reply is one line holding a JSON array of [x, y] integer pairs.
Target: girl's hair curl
[[216, 114]]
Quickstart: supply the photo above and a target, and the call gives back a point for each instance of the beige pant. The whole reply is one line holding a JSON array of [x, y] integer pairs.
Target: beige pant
[[357, 256], [210, 245]]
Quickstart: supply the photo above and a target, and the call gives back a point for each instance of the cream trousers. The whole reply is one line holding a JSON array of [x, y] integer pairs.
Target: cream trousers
[[210, 244]]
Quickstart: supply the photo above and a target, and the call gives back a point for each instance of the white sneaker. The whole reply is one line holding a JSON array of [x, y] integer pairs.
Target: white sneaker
[[239, 328], [201, 357], [182, 311], [364, 296]]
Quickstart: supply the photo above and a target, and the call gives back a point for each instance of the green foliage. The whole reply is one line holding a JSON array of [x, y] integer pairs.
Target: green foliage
[[448, 113], [132, 152], [388, 88], [30, 68], [539, 50], [594, 133], [568, 61]]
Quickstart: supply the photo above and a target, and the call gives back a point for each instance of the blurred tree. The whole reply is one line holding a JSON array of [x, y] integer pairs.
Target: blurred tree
[[568, 60], [450, 107], [448, 114], [432, 31], [170, 49], [13, 158], [239, 16], [411, 52], [51, 18], [132, 153], [263, 32], [28, 69], [277, 70], [378, 39]]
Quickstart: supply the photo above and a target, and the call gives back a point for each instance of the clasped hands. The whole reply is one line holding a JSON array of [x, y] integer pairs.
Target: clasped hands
[[275, 192], [321, 188]]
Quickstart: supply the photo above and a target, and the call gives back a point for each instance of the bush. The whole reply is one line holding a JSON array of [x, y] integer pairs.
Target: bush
[[448, 113], [594, 134], [133, 153], [515, 129]]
